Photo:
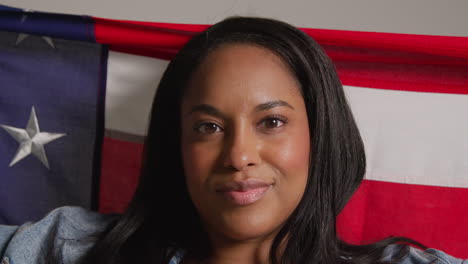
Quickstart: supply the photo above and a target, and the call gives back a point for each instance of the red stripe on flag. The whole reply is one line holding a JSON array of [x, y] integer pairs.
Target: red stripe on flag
[[168, 35], [365, 59], [158, 40], [404, 76], [436, 45], [376, 55], [120, 170], [427, 214]]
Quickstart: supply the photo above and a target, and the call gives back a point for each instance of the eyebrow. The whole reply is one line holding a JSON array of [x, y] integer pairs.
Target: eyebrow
[[207, 109], [272, 104], [211, 110]]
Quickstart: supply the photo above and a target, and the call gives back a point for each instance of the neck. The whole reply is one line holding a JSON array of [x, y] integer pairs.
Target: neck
[[253, 251], [249, 252]]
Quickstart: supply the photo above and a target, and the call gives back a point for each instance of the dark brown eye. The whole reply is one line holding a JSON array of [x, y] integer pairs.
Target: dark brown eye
[[272, 122], [207, 128]]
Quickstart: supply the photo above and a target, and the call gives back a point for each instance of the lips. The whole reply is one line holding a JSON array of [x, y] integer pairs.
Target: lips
[[244, 192]]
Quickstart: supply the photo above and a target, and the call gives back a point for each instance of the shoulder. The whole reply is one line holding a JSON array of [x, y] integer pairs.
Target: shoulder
[[66, 232], [417, 256]]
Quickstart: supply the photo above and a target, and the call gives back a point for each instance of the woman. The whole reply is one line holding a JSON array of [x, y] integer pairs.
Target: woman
[[252, 152]]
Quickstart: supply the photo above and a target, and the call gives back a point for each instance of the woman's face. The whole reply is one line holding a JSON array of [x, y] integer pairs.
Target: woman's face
[[245, 142]]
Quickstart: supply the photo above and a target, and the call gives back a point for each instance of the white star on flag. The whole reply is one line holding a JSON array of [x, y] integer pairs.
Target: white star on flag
[[24, 17], [23, 36], [31, 140]]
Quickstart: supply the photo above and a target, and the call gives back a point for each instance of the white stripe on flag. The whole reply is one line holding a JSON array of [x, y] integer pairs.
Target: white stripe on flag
[[411, 137], [131, 84]]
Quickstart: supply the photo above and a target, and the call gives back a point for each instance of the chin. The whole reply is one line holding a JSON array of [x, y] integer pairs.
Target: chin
[[242, 227]]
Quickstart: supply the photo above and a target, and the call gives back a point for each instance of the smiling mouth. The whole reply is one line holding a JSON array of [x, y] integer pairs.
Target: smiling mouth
[[244, 192], [246, 197]]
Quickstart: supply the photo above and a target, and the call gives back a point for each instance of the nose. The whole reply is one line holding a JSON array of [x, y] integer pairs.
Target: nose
[[241, 150]]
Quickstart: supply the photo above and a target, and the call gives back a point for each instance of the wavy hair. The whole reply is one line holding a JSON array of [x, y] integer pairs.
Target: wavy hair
[[161, 218]]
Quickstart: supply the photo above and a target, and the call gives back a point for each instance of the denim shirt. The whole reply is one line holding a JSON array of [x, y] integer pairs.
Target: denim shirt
[[68, 232]]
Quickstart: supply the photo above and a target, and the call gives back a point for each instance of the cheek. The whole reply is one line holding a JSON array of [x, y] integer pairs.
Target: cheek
[[290, 154], [198, 161]]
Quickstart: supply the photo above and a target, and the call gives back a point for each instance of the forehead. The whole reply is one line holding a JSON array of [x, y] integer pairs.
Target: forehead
[[242, 69]]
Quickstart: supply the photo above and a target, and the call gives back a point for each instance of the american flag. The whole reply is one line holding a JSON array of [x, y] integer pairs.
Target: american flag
[[76, 93]]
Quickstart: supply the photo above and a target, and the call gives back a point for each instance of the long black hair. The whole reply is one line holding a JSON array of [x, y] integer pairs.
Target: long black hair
[[161, 219]]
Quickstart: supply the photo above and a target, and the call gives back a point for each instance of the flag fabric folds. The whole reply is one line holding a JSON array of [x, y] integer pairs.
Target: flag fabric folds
[[51, 118], [409, 94]]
